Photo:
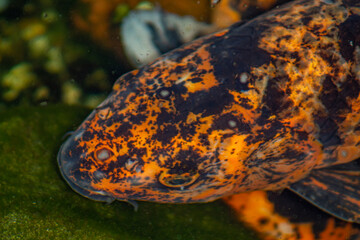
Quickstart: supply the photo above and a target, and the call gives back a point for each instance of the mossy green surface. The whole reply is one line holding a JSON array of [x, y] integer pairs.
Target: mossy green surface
[[36, 203]]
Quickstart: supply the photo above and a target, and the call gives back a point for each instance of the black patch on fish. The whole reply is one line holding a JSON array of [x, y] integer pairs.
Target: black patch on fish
[[208, 102], [332, 98], [350, 88], [150, 81], [185, 161], [123, 130], [164, 117], [244, 102], [195, 80], [222, 122], [139, 152], [274, 128], [349, 34], [275, 98], [328, 135], [188, 130], [296, 209], [197, 59], [166, 134], [87, 135], [204, 139], [137, 119], [306, 19], [351, 3], [178, 69], [237, 52], [264, 117]]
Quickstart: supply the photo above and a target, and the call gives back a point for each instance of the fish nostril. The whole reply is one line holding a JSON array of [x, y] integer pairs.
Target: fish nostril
[[98, 175], [103, 113], [133, 165], [130, 163]]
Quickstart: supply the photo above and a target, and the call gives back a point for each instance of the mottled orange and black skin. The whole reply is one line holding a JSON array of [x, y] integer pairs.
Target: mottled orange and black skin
[[286, 216], [258, 106]]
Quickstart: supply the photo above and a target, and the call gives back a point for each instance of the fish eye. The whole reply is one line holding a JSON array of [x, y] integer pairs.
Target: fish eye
[[103, 154], [177, 180]]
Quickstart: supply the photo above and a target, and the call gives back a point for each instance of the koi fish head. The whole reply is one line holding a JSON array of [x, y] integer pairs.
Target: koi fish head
[[190, 127], [169, 132]]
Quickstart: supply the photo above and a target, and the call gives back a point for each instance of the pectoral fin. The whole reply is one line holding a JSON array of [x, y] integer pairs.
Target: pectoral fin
[[336, 190]]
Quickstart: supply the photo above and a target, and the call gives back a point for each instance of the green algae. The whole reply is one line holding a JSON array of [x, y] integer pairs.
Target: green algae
[[44, 58], [36, 203]]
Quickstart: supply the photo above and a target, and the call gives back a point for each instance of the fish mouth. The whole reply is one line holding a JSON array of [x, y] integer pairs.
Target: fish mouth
[[88, 193]]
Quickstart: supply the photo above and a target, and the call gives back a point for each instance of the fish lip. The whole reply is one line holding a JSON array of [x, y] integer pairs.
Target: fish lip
[[88, 193]]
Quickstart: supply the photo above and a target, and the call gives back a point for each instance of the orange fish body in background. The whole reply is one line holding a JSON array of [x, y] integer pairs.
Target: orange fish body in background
[[269, 104]]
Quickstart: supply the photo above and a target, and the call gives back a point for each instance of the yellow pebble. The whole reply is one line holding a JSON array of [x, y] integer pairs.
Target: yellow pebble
[[33, 30]]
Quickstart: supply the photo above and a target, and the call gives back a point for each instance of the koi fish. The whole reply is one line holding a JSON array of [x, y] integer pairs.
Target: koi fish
[[269, 104]]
